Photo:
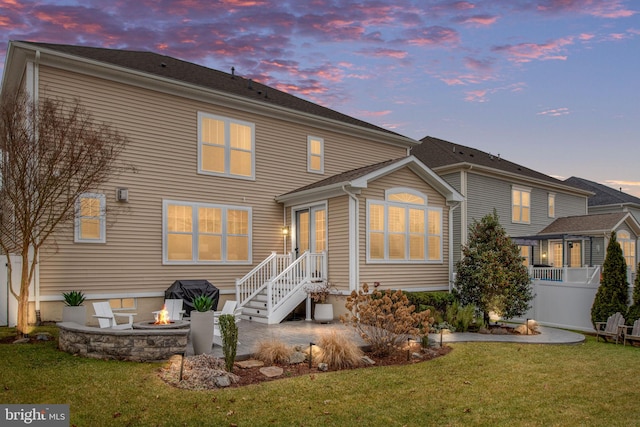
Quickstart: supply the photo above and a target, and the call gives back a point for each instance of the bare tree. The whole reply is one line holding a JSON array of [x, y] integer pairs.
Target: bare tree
[[52, 151]]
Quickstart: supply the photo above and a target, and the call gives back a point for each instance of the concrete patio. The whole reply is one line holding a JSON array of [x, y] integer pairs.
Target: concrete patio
[[300, 332]]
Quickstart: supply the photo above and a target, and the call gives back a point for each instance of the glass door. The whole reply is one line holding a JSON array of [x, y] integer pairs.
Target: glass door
[[311, 230]]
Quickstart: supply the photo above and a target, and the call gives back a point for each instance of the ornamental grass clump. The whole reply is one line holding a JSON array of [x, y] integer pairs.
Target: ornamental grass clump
[[272, 352], [385, 319], [338, 351]]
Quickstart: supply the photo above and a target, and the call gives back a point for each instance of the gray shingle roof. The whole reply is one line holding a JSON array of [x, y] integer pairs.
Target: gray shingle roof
[[437, 153], [585, 224], [183, 71], [345, 176], [603, 195]]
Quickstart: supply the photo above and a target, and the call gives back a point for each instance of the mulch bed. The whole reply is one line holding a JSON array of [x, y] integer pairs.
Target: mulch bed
[[200, 372]]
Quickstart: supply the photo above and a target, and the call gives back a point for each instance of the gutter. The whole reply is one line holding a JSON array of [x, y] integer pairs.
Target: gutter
[[451, 209]]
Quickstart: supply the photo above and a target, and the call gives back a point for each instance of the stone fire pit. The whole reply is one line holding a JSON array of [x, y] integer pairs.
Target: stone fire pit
[[140, 345]]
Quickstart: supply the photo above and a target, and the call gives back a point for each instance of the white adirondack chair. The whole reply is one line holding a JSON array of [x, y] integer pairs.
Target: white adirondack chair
[[107, 318], [174, 309], [230, 307], [610, 328], [632, 333]]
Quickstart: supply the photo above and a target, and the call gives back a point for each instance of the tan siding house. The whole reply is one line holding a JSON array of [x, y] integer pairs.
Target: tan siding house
[[222, 164]]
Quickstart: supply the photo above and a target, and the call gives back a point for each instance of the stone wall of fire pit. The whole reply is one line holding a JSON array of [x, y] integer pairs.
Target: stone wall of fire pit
[[140, 345]]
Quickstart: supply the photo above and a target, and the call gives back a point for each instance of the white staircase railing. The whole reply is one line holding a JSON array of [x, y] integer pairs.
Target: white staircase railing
[[307, 268], [254, 281]]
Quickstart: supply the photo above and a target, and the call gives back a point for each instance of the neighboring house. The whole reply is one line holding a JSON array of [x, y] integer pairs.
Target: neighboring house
[[251, 188], [526, 201], [606, 199]]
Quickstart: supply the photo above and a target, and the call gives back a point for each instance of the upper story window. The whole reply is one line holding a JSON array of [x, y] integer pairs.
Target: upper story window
[[628, 246], [90, 222], [226, 147], [315, 156], [198, 233], [521, 205], [402, 228], [551, 205]]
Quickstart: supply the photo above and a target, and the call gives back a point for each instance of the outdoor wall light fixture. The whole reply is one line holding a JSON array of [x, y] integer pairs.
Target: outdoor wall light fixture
[[544, 254], [285, 230]]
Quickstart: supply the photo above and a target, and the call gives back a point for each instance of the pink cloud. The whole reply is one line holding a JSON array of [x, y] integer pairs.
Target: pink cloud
[[555, 112], [374, 113], [477, 20], [479, 95], [384, 53], [586, 36], [432, 36], [527, 52], [599, 8]]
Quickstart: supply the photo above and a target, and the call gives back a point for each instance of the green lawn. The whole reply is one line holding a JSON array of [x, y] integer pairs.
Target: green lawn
[[486, 384]]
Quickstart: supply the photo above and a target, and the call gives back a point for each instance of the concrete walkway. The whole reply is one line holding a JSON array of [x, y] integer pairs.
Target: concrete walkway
[[302, 333]]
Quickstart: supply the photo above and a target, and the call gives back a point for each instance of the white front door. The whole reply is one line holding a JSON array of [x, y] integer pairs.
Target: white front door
[[311, 229]]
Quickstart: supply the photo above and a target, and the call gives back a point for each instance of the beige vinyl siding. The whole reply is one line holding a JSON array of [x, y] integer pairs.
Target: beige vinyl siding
[[404, 276], [162, 130], [338, 253]]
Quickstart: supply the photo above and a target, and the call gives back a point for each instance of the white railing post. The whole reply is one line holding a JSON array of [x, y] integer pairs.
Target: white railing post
[[325, 266]]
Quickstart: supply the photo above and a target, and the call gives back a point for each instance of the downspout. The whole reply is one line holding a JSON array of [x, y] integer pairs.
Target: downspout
[[354, 252], [451, 209]]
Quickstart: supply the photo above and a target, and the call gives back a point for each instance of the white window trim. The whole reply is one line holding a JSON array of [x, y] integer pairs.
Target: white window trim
[[227, 147], [103, 219], [194, 242], [386, 204], [522, 190], [310, 155]]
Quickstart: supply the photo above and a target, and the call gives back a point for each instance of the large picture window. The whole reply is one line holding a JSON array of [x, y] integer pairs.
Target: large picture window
[[226, 147], [90, 222], [628, 246], [196, 233], [520, 205], [403, 228]]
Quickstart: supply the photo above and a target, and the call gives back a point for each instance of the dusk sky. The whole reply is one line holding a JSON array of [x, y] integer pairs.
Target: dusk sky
[[553, 85]]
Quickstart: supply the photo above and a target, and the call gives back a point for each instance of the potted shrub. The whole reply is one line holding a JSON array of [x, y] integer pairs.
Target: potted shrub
[[73, 310], [319, 292], [202, 319]]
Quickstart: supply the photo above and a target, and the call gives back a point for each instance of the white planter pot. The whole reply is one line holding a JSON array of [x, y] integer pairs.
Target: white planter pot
[[323, 313], [76, 314], [202, 331]]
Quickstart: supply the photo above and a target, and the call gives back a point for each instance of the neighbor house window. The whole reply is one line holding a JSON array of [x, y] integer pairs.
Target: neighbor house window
[[315, 158], [204, 233], [628, 246], [226, 147], [551, 205], [90, 222], [403, 228], [520, 205]]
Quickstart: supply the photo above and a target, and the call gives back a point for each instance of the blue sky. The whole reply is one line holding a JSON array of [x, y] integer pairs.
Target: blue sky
[[553, 84]]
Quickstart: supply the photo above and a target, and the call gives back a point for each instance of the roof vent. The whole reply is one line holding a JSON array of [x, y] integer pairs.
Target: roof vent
[[233, 72], [163, 65]]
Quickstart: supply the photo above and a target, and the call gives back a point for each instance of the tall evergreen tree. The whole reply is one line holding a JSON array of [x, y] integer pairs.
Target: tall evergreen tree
[[491, 274], [634, 310], [613, 293]]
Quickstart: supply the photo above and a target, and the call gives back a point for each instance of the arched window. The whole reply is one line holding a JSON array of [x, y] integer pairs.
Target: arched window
[[403, 228]]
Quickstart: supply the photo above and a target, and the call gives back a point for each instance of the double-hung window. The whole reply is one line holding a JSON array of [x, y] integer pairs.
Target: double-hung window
[[199, 233], [628, 246], [520, 205], [90, 221], [226, 147], [403, 228], [315, 154]]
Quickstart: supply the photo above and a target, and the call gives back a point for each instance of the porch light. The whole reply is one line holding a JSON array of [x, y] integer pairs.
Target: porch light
[[544, 254], [285, 230]]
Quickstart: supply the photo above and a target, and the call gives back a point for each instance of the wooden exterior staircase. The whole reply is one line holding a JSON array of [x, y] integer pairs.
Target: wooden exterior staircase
[[276, 286]]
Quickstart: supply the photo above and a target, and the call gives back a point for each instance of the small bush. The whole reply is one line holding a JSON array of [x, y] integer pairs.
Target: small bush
[[229, 332], [385, 319], [272, 351], [438, 300], [338, 351], [462, 317]]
